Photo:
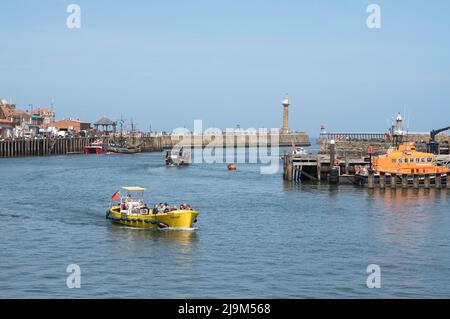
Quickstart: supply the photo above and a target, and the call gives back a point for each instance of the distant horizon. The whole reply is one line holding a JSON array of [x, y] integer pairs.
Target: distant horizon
[[227, 63]]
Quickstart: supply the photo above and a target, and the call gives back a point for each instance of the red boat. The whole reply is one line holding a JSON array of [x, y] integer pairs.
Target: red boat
[[95, 148]]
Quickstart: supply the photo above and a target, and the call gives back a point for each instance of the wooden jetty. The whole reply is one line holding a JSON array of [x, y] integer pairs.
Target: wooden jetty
[[404, 181], [43, 146], [318, 168], [24, 147]]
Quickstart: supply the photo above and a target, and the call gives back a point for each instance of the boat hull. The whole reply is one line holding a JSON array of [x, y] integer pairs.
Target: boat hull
[[94, 150], [124, 150], [179, 219]]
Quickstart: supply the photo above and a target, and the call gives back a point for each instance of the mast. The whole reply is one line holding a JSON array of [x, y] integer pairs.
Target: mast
[[121, 130], [132, 132]]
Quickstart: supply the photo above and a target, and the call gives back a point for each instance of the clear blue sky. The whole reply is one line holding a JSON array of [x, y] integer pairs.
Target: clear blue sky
[[167, 63]]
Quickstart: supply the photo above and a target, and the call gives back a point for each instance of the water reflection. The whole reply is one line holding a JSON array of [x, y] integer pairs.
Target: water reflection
[[184, 240], [397, 199], [407, 217]]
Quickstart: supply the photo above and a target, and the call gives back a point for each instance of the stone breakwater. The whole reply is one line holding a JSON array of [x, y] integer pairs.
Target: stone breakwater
[[237, 140]]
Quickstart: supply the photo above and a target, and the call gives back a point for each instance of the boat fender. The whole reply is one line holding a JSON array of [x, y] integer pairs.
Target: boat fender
[[162, 225], [154, 222], [195, 220], [139, 220], [134, 220]]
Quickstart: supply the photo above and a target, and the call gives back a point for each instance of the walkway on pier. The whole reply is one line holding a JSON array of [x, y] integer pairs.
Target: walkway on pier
[[353, 136]]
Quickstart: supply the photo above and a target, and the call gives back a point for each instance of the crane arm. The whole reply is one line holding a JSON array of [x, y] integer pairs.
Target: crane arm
[[433, 133]]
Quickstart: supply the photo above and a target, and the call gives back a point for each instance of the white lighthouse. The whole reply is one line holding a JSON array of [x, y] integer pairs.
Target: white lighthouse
[[399, 125], [285, 104]]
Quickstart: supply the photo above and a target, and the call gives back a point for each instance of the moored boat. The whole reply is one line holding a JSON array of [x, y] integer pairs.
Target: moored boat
[[123, 150], [133, 211], [406, 160], [403, 161], [97, 147], [177, 157]]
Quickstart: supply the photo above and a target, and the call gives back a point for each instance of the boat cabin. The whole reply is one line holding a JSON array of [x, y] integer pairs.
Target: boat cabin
[[133, 203]]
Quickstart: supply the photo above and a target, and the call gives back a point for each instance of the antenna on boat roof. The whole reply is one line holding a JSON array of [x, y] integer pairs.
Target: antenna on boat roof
[[408, 119]]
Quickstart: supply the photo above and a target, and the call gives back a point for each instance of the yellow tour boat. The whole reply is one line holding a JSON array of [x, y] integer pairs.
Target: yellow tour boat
[[131, 210]]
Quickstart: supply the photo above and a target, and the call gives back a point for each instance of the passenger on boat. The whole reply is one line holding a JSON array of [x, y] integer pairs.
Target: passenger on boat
[[155, 209], [142, 204]]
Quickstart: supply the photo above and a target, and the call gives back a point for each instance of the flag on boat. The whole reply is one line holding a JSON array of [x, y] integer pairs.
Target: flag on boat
[[116, 196]]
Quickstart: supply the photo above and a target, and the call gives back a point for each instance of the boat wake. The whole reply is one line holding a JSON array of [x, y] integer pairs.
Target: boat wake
[[178, 229], [166, 229]]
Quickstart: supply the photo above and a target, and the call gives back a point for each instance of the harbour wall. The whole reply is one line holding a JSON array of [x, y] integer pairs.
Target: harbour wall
[[237, 140], [21, 147]]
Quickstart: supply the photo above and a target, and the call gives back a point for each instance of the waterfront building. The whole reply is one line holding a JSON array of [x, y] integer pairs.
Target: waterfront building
[[106, 124], [6, 128], [47, 114], [70, 125]]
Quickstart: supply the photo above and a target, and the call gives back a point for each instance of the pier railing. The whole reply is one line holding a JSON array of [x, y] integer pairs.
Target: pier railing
[[354, 136]]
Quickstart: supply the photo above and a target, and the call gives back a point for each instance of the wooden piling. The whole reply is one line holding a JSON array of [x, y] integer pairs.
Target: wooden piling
[[404, 181], [319, 171], [382, 180], [289, 171], [371, 180], [426, 182], [393, 181], [416, 181], [438, 181]]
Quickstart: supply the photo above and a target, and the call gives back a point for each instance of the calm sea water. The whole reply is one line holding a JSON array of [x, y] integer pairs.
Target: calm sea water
[[257, 235]]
